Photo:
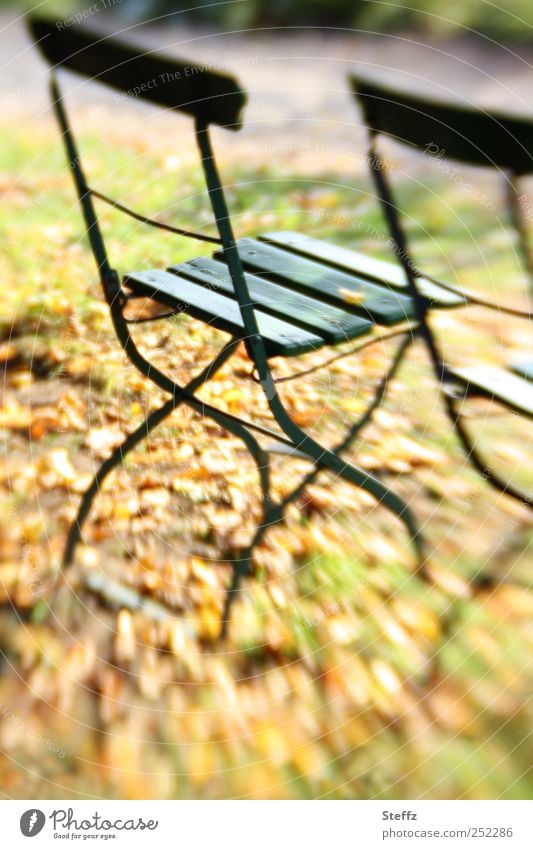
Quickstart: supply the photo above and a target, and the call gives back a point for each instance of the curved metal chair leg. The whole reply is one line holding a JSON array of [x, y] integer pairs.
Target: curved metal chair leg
[[275, 513], [74, 534], [242, 565], [476, 460], [156, 417], [184, 395], [326, 459]]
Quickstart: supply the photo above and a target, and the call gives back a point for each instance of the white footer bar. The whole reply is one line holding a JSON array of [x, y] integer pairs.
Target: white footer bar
[[268, 825]]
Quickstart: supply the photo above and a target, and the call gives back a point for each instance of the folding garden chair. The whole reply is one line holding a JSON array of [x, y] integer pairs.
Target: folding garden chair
[[472, 136], [263, 292]]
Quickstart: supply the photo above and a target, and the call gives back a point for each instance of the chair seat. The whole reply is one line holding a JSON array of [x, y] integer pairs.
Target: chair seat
[[301, 303]]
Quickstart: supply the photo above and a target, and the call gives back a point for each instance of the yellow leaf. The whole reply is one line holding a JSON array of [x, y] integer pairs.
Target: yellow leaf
[[55, 469], [386, 676], [351, 297], [101, 440], [125, 637], [15, 416]]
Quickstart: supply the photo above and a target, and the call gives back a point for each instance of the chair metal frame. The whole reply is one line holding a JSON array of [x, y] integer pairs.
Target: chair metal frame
[[508, 148], [292, 437]]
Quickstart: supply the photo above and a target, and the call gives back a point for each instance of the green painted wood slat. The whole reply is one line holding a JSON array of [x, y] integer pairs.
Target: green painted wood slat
[[348, 291], [378, 270], [281, 338], [332, 324]]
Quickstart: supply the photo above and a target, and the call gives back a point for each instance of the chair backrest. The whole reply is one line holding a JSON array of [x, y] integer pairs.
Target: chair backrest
[[209, 96], [454, 130]]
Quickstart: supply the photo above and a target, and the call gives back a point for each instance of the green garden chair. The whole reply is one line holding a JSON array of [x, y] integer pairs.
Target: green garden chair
[[471, 136], [271, 293]]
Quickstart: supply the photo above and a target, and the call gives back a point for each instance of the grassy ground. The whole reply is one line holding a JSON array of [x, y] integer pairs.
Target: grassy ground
[[344, 674]]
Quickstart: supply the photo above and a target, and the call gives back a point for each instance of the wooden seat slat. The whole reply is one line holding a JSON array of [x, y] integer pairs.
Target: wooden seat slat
[[281, 338], [330, 323], [348, 291], [378, 270]]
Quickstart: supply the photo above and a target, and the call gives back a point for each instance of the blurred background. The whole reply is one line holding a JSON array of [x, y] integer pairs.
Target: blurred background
[[345, 675], [511, 20]]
